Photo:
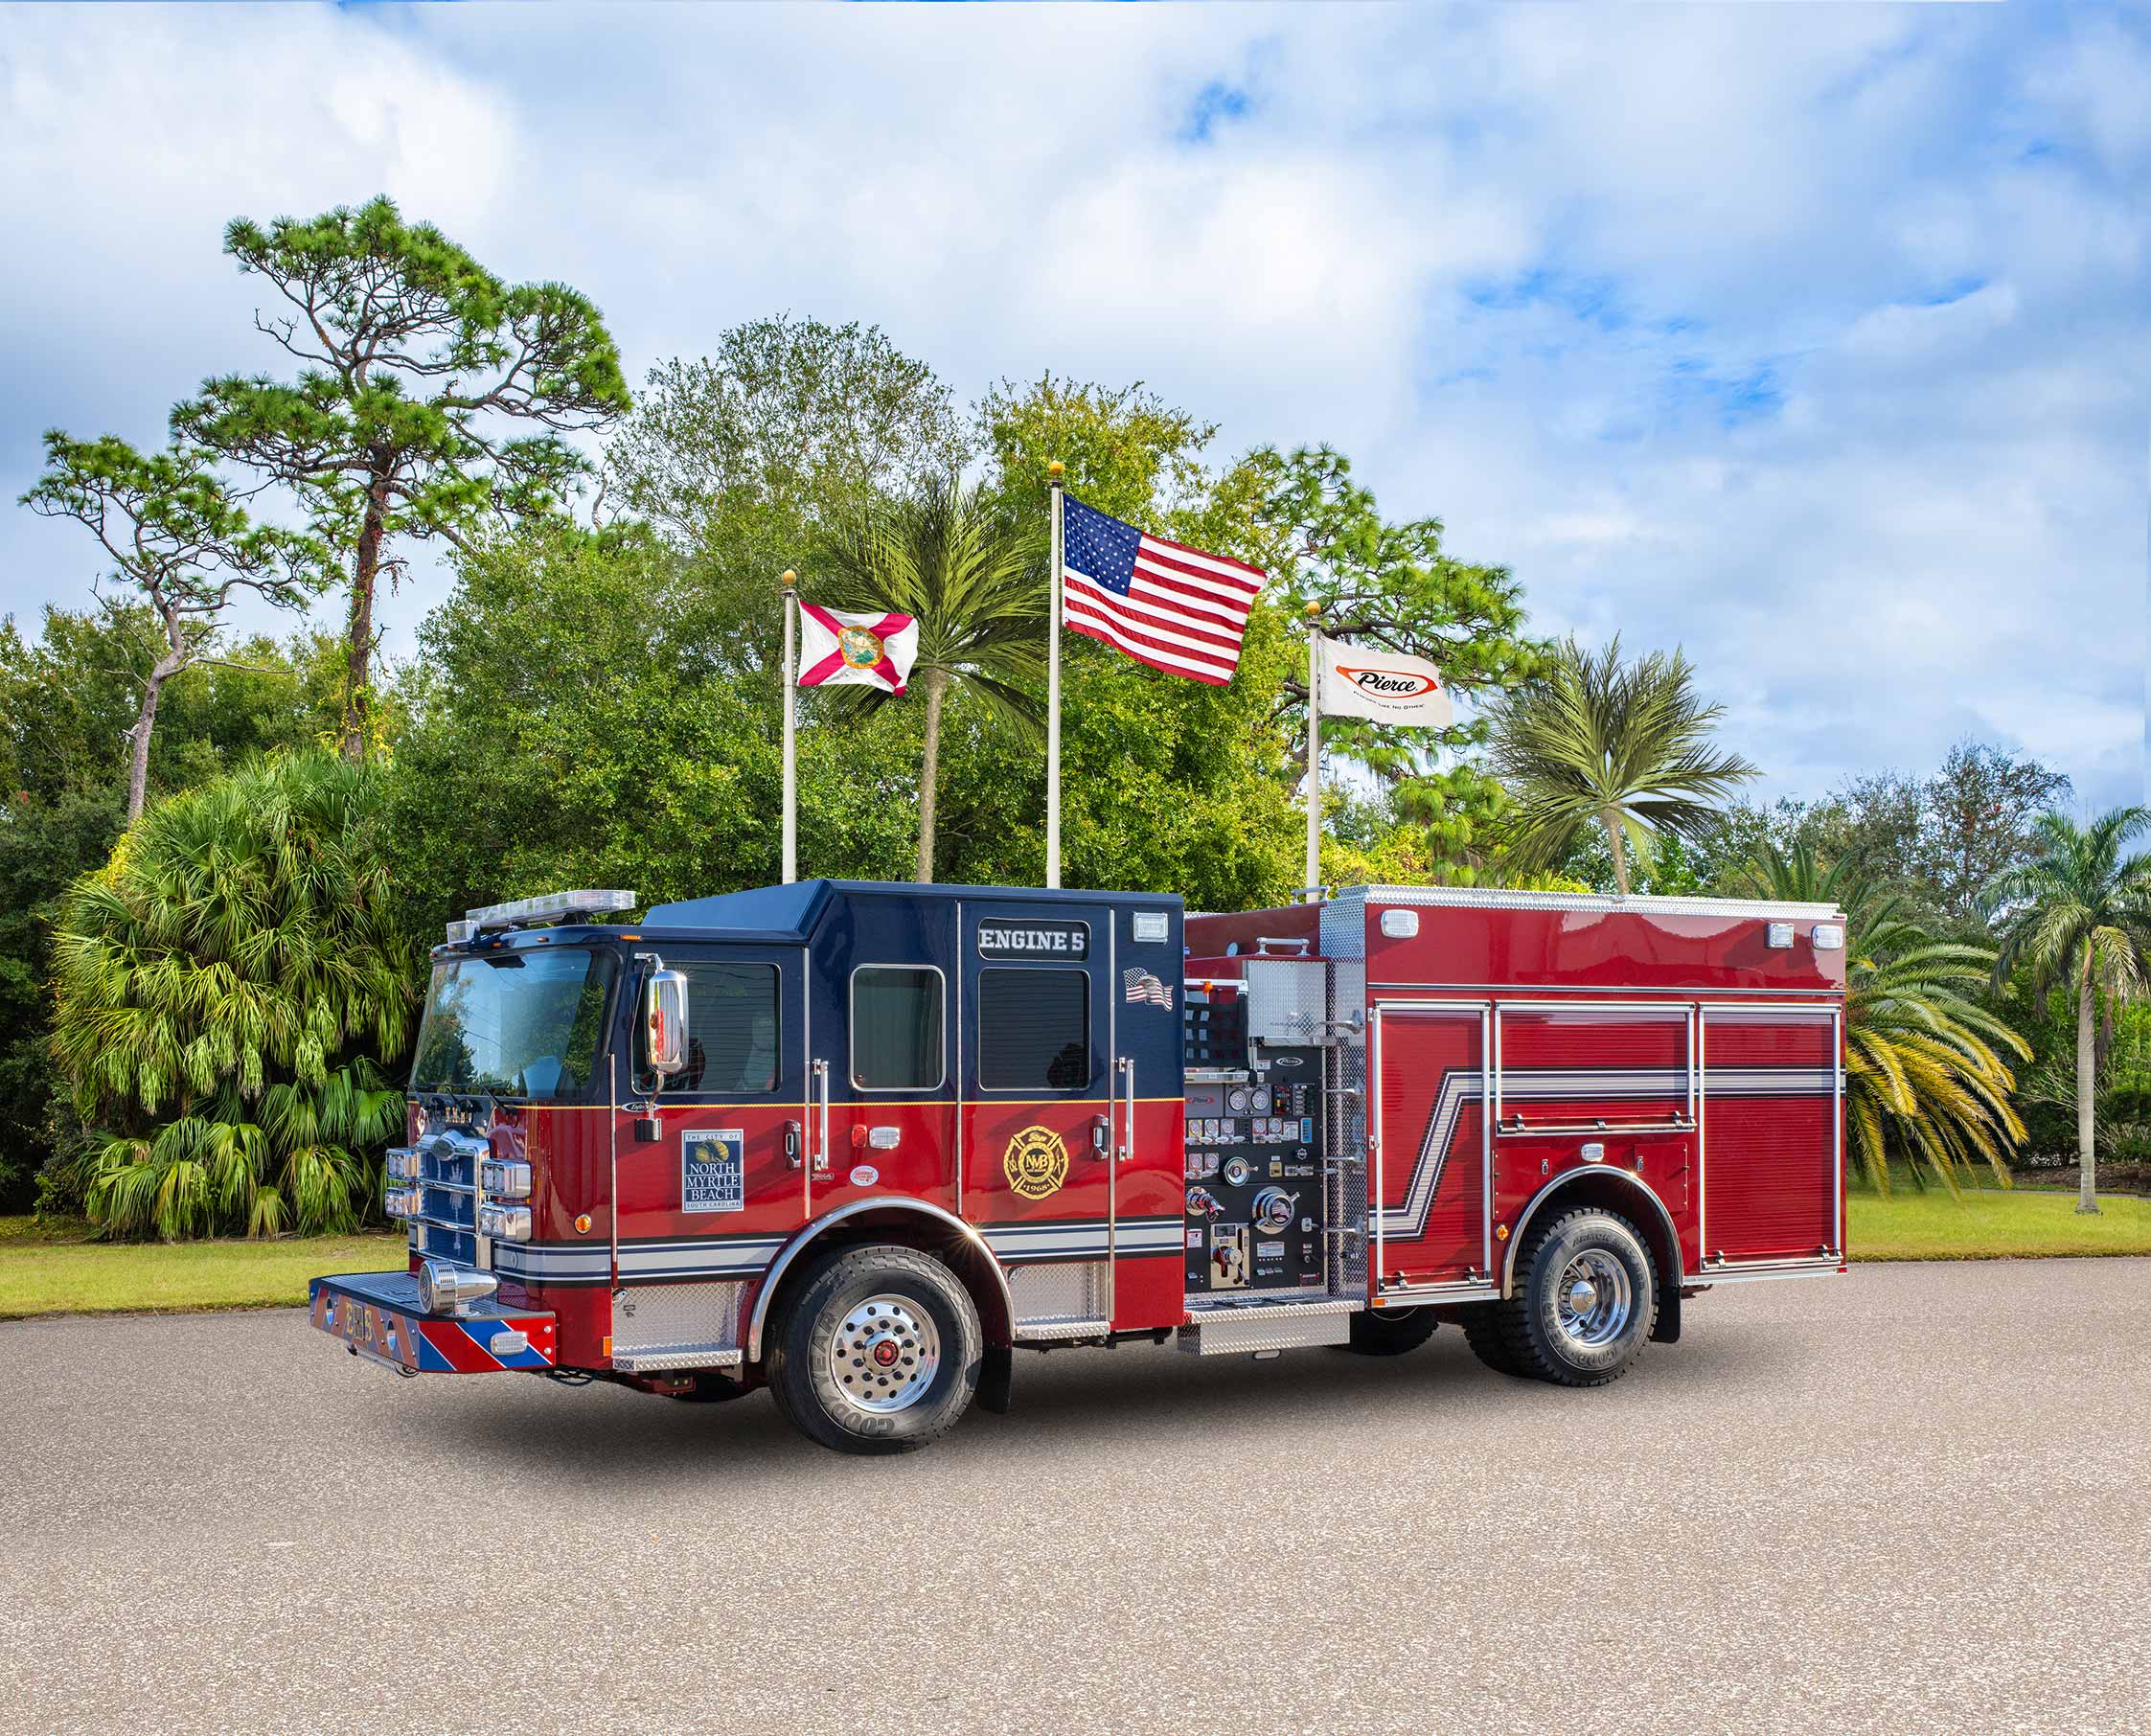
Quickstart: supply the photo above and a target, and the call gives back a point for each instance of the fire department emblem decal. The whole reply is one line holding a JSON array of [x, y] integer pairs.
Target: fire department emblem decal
[[1035, 1162]]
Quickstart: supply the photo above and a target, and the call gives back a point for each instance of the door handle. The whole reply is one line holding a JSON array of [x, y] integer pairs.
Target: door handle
[[793, 1135], [1127, 1070], [1101, 1134], [821, 1138]]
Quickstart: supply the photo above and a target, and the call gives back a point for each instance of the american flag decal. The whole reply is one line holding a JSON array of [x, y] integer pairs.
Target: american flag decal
[[1145, 989]]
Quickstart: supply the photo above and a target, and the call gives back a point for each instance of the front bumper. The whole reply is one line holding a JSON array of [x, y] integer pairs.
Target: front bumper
[[379, 1316]]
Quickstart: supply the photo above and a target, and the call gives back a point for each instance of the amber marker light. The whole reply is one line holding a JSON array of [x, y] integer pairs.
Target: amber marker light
[[582, 1223], [1500, 1232]]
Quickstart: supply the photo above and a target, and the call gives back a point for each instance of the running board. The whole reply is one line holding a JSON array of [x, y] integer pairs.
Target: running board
[[1229, 1331], [657, 1359]]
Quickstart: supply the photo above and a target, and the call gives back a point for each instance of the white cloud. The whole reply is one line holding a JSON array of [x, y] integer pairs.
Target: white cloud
[[1814, 340]]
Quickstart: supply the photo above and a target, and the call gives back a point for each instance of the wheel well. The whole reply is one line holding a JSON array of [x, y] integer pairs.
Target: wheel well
[[1618, 1192], [903, 1226]]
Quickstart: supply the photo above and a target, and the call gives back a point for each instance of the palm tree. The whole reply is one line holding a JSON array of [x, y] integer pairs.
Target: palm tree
[[1922, 1074], [2079, 913], [979, 594], [225, 991], [1625, 748]]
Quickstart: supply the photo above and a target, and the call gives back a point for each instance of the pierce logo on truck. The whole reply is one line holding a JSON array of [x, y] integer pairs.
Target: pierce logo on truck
[[1035, 1162]]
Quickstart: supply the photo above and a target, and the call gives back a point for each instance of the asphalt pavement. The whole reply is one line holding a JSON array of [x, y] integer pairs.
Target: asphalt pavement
[[1915, 1500]]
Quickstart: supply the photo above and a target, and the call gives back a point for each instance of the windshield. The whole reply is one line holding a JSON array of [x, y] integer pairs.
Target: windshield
[[527, 1023]]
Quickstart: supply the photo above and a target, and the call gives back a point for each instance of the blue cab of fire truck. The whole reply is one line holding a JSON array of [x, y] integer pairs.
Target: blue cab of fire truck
[[858, 1142]]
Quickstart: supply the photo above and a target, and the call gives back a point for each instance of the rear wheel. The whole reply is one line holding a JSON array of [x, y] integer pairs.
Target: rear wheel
[[1390, 1331], [1485, 1333], [879, 1352], [1584, 1303]]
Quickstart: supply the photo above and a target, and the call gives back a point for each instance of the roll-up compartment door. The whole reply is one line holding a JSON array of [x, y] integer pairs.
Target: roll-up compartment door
[[1429, 1183], [1772, 1176]]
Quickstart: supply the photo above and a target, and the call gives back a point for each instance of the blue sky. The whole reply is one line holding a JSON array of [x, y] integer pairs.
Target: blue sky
[[1812, 340]]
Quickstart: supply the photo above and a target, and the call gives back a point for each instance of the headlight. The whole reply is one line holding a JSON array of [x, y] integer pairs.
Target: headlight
[[504, 1222], [401, 1202], [403, 1163], [506, 1177], [444, 1289]]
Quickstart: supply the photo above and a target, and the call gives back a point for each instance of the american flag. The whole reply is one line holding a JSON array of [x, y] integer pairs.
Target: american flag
[[1163, 603], [1143, 987]]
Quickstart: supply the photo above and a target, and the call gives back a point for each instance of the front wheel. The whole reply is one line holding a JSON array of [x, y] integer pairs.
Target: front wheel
[[879, 1352]]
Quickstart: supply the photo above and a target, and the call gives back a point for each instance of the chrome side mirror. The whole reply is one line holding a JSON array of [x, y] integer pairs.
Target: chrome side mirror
[[664, 1021]]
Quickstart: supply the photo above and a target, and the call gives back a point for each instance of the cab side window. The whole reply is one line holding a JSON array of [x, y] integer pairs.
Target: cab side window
[[1033, 1028], [732, 1033], [896, 1028]]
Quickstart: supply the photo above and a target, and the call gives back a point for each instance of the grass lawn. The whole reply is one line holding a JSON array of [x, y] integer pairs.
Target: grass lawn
[[45, 1271], [1991, 1224]]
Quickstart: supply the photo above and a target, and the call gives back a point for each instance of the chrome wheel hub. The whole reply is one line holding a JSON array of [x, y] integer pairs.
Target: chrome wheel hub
[[1593, 1300], [886, 1354]]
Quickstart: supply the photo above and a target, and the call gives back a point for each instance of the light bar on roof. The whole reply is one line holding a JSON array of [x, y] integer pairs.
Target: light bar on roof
[[547, 907]]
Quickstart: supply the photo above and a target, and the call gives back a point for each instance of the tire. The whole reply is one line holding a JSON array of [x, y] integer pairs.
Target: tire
[[1546, 1333], [879, 1352], [1390, 1331], [1485, 1333]]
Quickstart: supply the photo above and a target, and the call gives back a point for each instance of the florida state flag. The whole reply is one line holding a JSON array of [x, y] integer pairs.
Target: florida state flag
[[837, 647]]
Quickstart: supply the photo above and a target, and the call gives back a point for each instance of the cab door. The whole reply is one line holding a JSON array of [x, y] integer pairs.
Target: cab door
[[1041, 1116], [882, 1076], [713, 1179]]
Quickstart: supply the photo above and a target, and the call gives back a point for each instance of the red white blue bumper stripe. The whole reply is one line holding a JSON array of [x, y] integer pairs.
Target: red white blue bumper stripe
[[379, 1316]]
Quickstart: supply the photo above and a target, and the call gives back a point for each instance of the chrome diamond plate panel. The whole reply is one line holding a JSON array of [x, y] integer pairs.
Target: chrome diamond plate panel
[[1062, 1293], [658, 1317], [1266, 1329]]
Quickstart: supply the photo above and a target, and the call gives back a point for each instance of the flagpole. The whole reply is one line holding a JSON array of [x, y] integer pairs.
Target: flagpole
[[791, 583], [1053, 693], [1313, 882]]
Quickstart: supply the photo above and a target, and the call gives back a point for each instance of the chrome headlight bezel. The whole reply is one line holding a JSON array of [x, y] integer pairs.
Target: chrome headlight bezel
[[501, 1223], [504, 1177]]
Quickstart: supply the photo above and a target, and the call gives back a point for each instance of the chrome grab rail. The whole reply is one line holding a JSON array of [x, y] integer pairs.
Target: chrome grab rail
[[821, 1143]]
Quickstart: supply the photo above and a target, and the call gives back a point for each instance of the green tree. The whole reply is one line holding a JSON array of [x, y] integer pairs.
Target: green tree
[[977, 589], [229, 993], [1364, 580], [1166, 782], [1622, 746], [1941, 838], [568, 724], [181, 543], [2079, 914], [417, 366], [68, 700], [1924, 1074]]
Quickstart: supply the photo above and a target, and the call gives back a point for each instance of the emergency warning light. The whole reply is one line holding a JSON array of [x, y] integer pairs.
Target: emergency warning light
[[546, 908]]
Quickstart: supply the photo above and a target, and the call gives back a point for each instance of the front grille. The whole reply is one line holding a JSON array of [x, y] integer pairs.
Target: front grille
[[447, 1226]]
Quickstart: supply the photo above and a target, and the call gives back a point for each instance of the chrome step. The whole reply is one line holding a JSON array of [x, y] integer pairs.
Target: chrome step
[[655, 1358]]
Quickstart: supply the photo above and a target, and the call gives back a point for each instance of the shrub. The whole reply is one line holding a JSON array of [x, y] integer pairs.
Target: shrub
[[229, 990]]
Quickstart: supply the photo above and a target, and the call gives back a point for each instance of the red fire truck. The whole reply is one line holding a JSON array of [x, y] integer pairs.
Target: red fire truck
[[859, 1143]]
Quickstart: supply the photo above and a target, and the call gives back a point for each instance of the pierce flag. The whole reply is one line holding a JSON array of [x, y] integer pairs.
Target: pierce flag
[[841, 648], [1385, 686]]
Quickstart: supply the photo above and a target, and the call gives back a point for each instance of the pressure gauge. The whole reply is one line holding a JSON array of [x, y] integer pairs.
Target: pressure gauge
[[1237, 1101], [1260, 1104]]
